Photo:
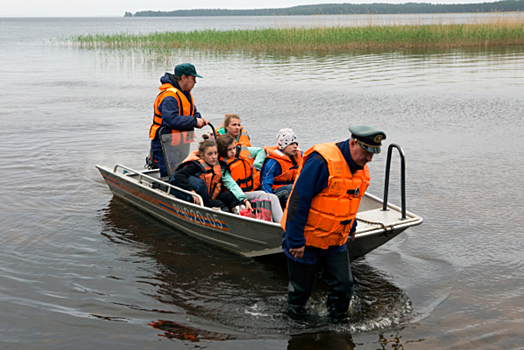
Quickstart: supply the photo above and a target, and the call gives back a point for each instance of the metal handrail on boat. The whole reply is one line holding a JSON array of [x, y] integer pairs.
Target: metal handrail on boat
[[163, 183], [402, 179]]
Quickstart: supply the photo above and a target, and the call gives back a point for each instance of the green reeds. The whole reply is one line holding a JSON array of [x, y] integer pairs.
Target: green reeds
[[494, 32]]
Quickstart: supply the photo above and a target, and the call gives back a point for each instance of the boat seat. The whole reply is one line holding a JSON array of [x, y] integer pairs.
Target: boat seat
[[388, 218]]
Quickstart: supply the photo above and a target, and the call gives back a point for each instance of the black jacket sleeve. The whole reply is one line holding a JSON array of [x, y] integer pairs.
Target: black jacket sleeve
[[183, 174]]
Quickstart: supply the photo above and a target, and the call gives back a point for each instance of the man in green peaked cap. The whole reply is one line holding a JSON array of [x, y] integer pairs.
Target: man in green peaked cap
[[321, 215], [368, 137], [174, 109]]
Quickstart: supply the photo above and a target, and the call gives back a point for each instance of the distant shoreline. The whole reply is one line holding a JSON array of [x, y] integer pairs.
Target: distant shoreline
[[346, 9]]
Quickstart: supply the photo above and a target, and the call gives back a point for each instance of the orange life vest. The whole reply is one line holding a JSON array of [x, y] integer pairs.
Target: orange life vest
[[242, 138], [289, 166], [185, 107], [211, 175], [334, 209], [241, 169]]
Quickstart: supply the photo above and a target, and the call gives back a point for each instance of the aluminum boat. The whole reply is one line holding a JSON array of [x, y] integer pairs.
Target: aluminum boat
[[378, 221]]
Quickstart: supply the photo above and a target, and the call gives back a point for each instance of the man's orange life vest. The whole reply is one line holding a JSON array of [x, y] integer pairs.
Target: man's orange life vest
[[241, 169], [334, 209], [185, 107], [289, 166], [211, 175]]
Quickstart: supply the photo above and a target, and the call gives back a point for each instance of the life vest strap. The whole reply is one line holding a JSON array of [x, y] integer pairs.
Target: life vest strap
[[354, 192], [247, 189], [246, 180]]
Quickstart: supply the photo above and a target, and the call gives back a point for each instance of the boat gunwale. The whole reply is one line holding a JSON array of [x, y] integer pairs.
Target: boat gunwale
[[146, 187], [413, 219], [171, 197]]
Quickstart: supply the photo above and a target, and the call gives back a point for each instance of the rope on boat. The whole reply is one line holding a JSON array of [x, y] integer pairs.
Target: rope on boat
[[387, 229]]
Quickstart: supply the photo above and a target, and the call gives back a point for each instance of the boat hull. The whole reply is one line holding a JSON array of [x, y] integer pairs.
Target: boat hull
[[246, 236]]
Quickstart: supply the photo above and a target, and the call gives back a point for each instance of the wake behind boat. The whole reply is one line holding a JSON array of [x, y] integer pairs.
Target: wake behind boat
[[146, 190]]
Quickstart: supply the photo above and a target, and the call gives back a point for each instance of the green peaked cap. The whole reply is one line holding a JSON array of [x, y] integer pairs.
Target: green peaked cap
[[368, 137]]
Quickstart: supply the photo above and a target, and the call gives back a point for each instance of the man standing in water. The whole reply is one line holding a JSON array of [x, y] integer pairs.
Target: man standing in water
[[174, 109], [321, 215]]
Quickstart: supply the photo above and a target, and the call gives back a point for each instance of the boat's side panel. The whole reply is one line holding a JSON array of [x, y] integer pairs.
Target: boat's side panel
[[248, 237], [364, 244], [227, 231]]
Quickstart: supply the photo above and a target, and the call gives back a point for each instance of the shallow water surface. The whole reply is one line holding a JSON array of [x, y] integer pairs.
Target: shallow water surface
[[80, 268]]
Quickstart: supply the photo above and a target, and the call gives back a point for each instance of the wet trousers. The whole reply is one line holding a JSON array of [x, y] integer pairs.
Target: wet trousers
[[336, 272]]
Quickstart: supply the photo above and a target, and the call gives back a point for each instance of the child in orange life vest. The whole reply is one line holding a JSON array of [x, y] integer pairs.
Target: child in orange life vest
[[240, 165], [281, 165], [231, 126], [201, 173]]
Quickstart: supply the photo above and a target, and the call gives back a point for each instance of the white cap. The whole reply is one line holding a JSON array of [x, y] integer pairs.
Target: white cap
[[286, 137]]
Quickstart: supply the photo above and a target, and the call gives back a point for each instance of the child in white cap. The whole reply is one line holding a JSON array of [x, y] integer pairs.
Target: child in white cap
[[281, 165]]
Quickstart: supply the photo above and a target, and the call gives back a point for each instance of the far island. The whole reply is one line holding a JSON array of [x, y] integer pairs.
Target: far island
[[345, 9]]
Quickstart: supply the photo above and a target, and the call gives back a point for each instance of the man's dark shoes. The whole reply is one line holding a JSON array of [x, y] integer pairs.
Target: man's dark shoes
[[336, 317], [297, 313]]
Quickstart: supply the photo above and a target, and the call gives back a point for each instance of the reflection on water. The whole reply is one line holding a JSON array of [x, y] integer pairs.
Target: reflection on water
[[461, 70], [243, 295], [173, 330], [321, 341], [345, 341]]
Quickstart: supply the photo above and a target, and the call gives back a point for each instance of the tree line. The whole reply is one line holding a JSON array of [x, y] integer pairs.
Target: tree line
[[346, 9]]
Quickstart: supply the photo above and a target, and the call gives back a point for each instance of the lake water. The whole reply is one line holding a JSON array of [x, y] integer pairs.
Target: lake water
[[81, 269]]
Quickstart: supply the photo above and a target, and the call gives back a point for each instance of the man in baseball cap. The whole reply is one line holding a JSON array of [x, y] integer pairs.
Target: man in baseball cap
[[174, 111], [186, 69]]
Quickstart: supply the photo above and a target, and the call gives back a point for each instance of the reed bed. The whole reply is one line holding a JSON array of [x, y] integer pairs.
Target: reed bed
[[495, 31]]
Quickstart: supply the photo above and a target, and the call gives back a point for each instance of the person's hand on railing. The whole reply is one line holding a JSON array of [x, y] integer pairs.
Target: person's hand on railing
[[195, 198], [201, 122]]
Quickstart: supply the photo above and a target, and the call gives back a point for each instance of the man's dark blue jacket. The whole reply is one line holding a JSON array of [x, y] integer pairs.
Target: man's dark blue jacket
[[312, 180]]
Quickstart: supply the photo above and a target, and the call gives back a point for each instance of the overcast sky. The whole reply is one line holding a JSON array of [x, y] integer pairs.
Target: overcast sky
[[117, 8]]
